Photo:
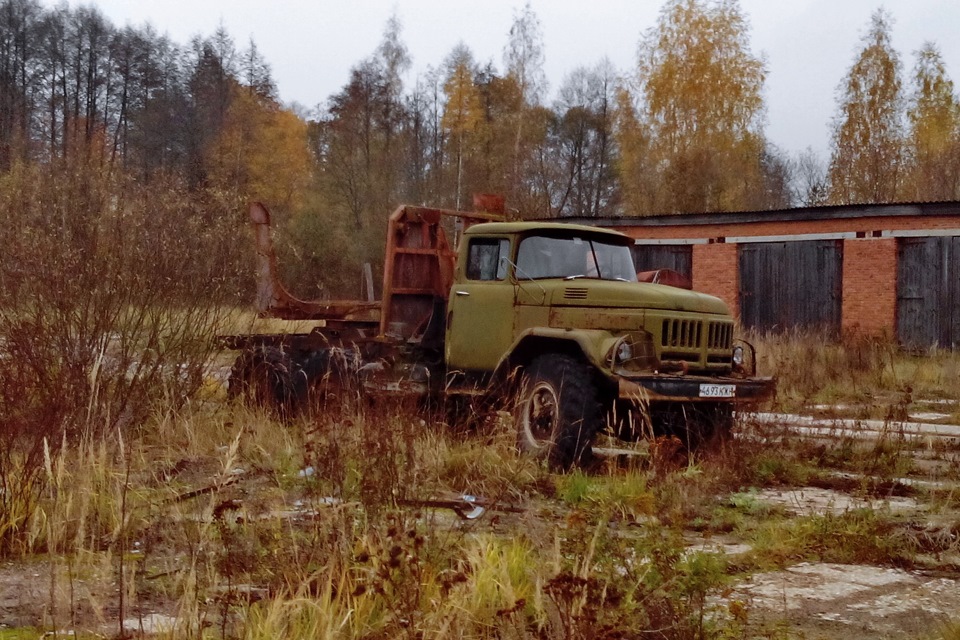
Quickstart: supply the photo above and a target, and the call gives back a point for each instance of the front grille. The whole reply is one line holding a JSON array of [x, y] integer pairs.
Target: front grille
[[681, 334], [574, 293], [701, 341], [719, 335]]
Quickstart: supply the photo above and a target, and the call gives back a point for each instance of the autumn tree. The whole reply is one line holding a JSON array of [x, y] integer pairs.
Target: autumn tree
[[19, 35], [635, 173], [261, 152], [211, 87], [255, 72], [701, 97], [392, 59], [462, 113], [357, 140], [426, 139], [933, 142], [86, 78], [361, 147], [868, 130], [157, 139]]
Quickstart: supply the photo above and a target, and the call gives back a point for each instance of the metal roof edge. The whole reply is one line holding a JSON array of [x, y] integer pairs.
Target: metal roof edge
[[833, 212]]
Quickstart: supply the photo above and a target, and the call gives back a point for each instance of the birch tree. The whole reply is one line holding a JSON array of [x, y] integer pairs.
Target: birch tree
[[701, 89], [933, 118], [868, 131], [523, 59]]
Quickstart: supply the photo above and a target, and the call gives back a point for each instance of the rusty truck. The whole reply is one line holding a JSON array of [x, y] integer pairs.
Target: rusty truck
[[544, 319]]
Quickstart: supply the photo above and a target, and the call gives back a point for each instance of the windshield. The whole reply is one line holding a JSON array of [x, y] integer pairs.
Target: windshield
[[574, 257]]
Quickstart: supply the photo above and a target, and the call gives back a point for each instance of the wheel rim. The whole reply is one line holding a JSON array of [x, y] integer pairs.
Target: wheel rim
[[540, 414]]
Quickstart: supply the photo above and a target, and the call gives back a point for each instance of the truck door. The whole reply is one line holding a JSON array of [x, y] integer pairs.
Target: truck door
[[480, 308]]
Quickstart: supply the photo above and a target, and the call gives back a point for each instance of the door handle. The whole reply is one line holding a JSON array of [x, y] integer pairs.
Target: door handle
[[463, 293]]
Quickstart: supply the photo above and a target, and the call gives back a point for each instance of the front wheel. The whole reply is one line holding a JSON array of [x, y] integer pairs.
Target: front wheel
[[557, 412]]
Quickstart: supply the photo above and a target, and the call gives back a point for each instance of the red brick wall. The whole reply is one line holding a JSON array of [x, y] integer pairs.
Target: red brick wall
[[715, 272], [869, 264], [870, 286]]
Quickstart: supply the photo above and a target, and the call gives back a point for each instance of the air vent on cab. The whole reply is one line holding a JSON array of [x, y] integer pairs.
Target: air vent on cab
[[574, 293]]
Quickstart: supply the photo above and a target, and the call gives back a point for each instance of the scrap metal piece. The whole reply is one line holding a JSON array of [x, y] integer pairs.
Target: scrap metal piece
[[466, 506], [474, 513]]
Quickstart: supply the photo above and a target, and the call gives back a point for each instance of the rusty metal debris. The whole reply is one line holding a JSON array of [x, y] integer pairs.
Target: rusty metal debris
[[466, 506]]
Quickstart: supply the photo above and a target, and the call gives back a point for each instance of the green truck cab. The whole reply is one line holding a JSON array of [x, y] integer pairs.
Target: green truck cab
[[545, 319], [558, 310]]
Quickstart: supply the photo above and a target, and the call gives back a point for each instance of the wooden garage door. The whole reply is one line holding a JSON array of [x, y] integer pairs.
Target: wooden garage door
[[649, 257], [928, 292], [785, 285]]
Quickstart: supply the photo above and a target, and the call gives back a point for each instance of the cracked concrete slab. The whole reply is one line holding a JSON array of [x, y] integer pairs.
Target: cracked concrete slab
[[852, 600], [808, 501]]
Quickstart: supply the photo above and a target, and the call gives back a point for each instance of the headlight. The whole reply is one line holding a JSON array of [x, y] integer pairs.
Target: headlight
[[633, 351], [620, 353], [738, 356]]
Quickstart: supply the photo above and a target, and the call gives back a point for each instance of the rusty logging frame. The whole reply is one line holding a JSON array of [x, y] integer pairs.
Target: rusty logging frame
[[419, 264]]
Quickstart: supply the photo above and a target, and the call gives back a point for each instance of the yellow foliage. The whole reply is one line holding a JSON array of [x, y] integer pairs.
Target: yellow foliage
[[463, 113], [868, 138], [261, 152], [934, 136], [633, 161], [702, 91]]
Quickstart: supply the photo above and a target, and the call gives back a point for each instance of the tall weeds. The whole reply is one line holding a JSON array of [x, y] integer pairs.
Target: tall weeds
[[811, 367]]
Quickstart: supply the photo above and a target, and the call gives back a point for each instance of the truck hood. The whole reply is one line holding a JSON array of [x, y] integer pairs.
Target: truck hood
[[587, 292]]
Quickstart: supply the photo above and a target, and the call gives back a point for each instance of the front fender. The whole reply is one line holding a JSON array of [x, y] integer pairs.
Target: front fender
[[592, 345]]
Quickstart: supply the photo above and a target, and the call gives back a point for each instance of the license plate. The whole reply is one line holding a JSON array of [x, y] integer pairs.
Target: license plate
[[718, 390]]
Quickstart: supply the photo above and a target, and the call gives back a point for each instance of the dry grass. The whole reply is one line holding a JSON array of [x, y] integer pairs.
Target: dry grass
[[236, 525], [872, 376], [210, 518]]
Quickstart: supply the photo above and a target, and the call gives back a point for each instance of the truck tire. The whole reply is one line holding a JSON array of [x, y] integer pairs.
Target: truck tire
[[557, 412], [331, 378], [713, 424], [268, 377]]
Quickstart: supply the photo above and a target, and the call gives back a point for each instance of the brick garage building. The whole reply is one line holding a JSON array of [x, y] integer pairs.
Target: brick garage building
[[887, 270]]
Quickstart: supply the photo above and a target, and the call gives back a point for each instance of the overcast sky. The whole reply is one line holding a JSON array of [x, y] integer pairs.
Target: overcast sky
[[311, 45]]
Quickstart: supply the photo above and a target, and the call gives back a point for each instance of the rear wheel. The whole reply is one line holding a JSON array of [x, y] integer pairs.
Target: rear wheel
[[557, 412], [269, 377]]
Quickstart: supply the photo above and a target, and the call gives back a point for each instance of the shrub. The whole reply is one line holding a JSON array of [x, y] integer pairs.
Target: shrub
[[112, 294]]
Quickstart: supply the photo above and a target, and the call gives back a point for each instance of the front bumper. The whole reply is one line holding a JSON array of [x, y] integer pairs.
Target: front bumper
[[687, 388]]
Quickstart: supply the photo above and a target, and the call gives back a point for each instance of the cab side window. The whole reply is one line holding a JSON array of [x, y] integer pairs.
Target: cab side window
[[487, 258]]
